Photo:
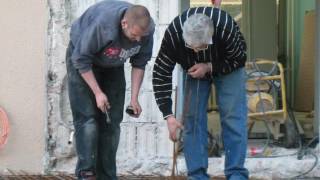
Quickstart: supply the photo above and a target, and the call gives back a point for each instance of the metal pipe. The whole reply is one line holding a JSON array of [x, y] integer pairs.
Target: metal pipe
[[317, 73]]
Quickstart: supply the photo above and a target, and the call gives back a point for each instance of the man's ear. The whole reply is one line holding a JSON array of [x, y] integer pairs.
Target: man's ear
[[124, 23]]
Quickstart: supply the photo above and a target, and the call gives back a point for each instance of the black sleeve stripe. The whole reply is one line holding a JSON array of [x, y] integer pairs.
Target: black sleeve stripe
[[204, 55], [210, 55]]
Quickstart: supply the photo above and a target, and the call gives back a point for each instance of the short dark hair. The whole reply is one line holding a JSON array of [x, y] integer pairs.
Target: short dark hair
[[138, 15]]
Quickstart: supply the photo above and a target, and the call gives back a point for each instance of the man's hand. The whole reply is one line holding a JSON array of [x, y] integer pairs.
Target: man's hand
[[173, 126], [102, 101], [199, 70], [101, 98], [136, 80], [136, 109]]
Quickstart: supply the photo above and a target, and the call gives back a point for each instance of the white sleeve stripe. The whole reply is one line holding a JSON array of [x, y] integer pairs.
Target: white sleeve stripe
[[211, 13], [231, 55], [157, 65], [238, 54], [157, 85], [188, 14], [167, 115], [174, 26], [225, 25], [163, 62], [204, 10], [159, 74], [237, 41], [155, 78], [234, 40], [195, 12], [163, 91], [230, 31], [167, 58], [180, 21], [235, 44], [166, 97], [171, 38], [218, 18], [161, 105]]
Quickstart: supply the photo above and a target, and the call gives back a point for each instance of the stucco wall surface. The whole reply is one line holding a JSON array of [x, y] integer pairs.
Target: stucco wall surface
[[22, 83]]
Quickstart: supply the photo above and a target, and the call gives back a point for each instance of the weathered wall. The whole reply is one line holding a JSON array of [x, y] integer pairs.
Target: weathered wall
[[144, 144], [22, 82]]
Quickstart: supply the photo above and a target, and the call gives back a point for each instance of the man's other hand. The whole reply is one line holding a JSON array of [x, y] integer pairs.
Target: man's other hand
[[199, 70], [173, 126], [136, 109]]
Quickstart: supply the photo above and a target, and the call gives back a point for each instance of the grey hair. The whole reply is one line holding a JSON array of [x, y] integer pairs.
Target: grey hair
[[198, 30]]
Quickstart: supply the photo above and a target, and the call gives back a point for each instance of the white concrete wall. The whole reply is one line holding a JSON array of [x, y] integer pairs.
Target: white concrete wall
[[22, 83]]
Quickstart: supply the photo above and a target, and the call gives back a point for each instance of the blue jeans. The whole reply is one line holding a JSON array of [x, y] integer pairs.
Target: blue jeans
[[231, 100], [96, 141]]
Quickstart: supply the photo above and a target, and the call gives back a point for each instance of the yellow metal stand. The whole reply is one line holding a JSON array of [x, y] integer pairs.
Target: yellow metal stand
[[273, 116]]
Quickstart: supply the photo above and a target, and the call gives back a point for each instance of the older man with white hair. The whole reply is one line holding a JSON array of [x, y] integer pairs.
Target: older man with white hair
[[209, 46]]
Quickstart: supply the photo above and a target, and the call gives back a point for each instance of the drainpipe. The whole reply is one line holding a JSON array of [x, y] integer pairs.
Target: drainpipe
[[317, 74]]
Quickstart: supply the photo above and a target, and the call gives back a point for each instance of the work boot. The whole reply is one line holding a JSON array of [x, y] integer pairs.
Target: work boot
[[87, 175]]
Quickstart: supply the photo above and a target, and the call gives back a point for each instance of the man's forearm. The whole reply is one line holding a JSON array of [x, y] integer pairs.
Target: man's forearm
[[136, 80], [90, 79]]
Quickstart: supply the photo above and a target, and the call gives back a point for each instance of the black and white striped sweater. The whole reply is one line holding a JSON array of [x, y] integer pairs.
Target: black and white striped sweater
[[227, 53]]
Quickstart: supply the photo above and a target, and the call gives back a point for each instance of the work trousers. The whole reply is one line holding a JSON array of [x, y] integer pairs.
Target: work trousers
[[96, 140], [231, 100]]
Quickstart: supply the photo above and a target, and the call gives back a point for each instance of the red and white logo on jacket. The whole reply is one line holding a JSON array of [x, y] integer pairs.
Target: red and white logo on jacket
[[112, 52]]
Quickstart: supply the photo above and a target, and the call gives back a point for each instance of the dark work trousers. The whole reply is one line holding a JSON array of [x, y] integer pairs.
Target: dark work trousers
[[96, 141]]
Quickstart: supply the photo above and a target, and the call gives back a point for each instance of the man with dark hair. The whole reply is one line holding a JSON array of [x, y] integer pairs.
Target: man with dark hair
[[101, 40], [209, 46]]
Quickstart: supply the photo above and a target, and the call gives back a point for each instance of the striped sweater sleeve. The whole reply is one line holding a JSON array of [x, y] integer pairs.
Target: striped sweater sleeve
[[162, 73]]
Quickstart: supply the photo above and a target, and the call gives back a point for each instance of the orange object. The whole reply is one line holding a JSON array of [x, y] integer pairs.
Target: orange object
[[216, 3], [4, 127]]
